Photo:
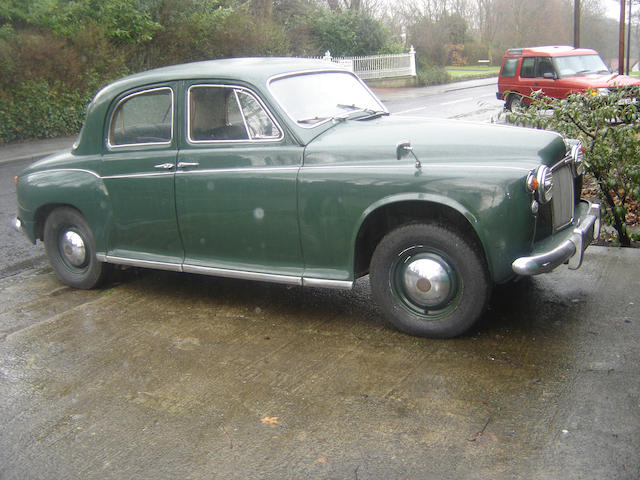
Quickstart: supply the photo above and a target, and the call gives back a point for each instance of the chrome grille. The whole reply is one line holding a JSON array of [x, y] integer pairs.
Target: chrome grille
[[563, 197]]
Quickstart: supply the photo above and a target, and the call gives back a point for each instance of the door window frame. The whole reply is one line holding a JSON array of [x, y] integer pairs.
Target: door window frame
[[128, 96], [235, 89]]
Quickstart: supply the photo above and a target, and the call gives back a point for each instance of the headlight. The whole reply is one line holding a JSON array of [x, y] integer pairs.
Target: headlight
[[577, 156], [541, 182], [575, 151], [545, 184]]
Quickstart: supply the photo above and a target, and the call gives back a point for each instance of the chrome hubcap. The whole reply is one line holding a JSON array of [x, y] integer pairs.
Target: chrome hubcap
[[73, 249], [427, 282]]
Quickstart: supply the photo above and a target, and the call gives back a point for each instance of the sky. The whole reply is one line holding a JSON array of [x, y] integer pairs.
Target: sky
[[612, 8]]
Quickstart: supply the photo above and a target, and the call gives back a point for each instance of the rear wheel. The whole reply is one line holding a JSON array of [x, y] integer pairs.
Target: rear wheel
[[70, 247], [429, 280]]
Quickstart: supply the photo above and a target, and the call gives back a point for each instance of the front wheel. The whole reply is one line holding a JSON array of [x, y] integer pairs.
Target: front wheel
[[70, 247], [515, 103], [429, 280]]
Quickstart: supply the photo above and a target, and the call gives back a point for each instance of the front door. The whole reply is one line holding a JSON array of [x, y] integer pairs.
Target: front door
[[236, 187], [538, 73]]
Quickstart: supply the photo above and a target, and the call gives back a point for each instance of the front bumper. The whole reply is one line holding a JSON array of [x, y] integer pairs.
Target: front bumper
[[564, 247]]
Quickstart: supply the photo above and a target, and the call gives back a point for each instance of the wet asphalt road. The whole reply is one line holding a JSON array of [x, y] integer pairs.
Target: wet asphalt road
[[171, 376], [177, 376]]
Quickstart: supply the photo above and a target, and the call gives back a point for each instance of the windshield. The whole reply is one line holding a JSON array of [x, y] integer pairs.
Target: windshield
[[579, 65], [313, 98]]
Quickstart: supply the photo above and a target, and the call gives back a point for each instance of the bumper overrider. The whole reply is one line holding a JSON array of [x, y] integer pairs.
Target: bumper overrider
[[567, 246], [17, 225]]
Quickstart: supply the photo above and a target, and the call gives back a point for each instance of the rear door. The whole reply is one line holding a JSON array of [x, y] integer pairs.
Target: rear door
[[138, 171]]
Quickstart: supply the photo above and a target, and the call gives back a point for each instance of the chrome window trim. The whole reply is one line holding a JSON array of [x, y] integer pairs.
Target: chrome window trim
[[246, 140], [111, 146], [310, 72], [244, 118]]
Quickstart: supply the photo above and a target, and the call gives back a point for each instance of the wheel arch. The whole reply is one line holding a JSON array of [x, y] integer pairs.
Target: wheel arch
[[43, 212], [382, 219]]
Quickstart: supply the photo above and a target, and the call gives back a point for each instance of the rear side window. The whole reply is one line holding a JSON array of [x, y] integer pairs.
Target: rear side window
[[509, 67], [143, 118]]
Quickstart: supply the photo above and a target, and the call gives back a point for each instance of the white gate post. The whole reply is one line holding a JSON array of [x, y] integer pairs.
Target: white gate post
[[412, 60]]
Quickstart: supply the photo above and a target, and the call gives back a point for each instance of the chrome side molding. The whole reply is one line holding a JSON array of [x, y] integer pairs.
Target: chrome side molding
[[227, 273]]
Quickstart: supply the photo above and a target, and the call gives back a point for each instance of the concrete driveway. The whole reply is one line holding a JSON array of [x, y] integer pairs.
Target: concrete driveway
[[169, 376]]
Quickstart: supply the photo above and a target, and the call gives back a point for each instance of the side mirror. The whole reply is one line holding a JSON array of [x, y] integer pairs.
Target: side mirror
[[549, 75], [403, 149]]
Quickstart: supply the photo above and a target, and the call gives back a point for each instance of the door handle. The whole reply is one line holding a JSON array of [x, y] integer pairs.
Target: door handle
[[188, 164], [164, 166]]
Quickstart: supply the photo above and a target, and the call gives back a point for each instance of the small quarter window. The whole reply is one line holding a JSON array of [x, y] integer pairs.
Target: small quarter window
[[509, 67], [143, 118], [259, 124]]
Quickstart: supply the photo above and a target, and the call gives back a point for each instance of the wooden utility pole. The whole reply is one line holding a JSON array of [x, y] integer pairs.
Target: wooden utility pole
[[621, 39], [628, 63], [576, 23]]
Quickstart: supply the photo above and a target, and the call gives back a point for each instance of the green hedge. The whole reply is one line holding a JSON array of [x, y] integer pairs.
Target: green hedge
[[37, 110], [432, 74]]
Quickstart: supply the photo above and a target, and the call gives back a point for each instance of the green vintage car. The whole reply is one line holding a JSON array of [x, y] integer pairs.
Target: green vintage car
[[292, 171]]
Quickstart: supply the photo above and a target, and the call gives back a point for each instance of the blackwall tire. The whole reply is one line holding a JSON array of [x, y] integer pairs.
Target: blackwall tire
[[429, 280], [515, 103], [70, 247]]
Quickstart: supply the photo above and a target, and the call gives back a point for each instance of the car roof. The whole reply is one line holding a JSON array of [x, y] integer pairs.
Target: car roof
[[550, 51], [254, 71]]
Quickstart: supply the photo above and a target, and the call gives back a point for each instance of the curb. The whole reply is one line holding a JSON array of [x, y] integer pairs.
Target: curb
[[32, 150]]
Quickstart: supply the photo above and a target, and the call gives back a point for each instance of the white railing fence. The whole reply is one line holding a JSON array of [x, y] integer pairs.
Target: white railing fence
[[378, 66]]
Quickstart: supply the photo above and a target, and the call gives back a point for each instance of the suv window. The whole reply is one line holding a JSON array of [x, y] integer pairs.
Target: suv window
[[143, 118], [509, 67], [527, 70], [536, 67], [543, 66]]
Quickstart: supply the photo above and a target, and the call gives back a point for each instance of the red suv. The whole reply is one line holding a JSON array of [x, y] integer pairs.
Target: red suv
[[557, 71]]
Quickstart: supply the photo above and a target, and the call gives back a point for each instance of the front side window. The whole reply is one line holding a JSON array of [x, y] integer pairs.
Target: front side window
[[528, 67], [143, 118], [544, 67], [221, 113]]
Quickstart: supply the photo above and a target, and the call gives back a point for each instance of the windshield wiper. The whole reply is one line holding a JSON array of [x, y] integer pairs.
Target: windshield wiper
[[312, 120], [374, 114], [371, 113]]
